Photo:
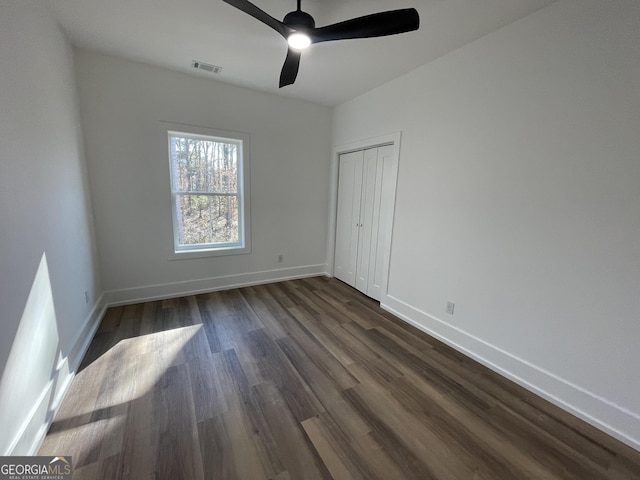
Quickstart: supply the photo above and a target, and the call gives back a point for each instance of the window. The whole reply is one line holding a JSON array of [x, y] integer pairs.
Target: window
[[209, 191]]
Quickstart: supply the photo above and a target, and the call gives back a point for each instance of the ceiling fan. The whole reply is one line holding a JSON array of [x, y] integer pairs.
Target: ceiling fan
[[299, 28]]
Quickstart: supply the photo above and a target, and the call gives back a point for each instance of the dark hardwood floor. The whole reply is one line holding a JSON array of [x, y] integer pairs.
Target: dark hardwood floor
[[306, 379]]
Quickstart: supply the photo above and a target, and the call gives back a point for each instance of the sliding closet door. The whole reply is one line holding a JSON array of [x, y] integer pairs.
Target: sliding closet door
[[348, 216]]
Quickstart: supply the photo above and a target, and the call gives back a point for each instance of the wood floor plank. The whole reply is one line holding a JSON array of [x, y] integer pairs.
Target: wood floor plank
[[452, 416], [420, 448], [74, 416], [88, 472], [431, 396], [306, 379], [107, 469], [291, 325], [337, 456], [111, 319], [275, 367], [211, 313], [231, 443], [352, 335], [178, 454], [319, 303], [325, 386], [516, 401], [321, 331], [262, 310], [206, 386], [147, 320], [244, 318], [229, 449], [474, 438], [288, 435]]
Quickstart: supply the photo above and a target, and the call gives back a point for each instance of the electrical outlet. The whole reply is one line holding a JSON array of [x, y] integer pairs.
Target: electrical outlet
[[280, 258], [450, 307], [86, 297]]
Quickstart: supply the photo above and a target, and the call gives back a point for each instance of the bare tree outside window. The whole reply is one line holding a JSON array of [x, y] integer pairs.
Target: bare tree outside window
[[205, 175]]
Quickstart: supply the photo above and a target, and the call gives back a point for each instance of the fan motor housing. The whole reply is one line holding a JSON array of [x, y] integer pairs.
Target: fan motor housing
[[299, 19]]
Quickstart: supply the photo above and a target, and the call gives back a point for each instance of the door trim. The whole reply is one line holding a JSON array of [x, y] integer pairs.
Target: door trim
[[394, 139]]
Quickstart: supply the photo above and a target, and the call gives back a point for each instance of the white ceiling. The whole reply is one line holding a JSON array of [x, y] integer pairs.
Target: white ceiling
[[172, 33]]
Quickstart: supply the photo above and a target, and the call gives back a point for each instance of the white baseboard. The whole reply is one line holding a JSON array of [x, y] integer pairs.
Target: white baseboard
[[603, 414], [29, 438], [147, 293]]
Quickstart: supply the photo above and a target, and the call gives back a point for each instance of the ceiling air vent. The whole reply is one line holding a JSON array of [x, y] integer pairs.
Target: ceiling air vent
[[206, 67]]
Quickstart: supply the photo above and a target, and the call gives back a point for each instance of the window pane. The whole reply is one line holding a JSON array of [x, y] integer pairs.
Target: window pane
[[200, 165], [207, 219]]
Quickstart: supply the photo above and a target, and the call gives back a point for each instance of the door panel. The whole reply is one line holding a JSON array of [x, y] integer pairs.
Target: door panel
[[368, 222], [348, 216], [385, 164]]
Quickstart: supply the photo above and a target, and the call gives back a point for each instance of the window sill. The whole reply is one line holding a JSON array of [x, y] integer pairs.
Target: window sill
[[217, 252]]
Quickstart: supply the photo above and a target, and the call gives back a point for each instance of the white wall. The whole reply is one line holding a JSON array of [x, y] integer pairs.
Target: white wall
[[46, 257], [519, 200], [122, 103]]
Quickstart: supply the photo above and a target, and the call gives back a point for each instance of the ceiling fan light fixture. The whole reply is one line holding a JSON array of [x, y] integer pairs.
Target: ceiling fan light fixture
[[299, 28], [299, 40]]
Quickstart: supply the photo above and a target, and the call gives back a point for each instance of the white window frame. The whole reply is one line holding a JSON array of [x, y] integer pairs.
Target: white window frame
[[243, 245]]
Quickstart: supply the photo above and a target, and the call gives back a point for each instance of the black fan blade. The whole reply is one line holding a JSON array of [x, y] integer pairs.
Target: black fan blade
[[261, 15], [375, 25], [290, 67]]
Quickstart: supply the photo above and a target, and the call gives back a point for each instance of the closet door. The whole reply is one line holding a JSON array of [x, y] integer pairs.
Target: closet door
[[348, 216], [381, 210], [369, 214]]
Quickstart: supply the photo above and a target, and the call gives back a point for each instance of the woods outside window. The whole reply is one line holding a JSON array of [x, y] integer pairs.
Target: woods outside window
[[209, 191]]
